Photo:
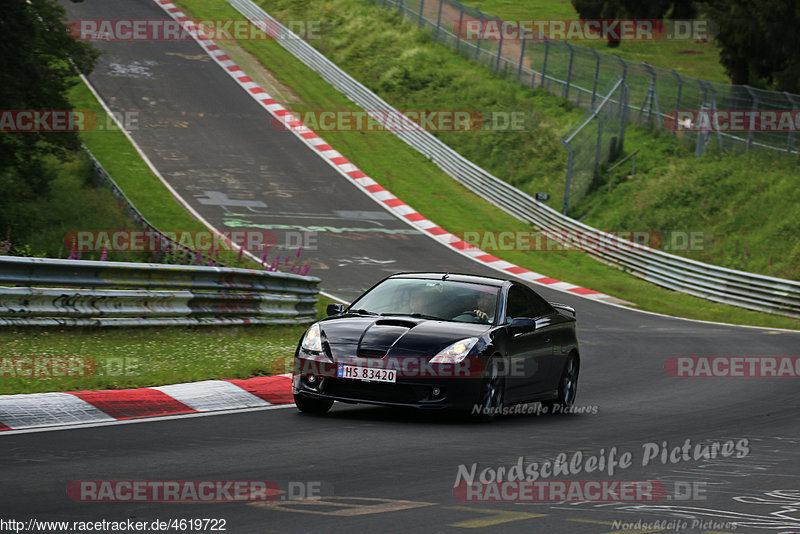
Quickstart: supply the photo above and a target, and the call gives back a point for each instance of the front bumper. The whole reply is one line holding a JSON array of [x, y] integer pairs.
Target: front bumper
[[429, 392]]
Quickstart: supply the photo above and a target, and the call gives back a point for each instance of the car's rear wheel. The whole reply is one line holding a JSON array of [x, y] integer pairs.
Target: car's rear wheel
[[492, 392], [309, 405], [568, 384]]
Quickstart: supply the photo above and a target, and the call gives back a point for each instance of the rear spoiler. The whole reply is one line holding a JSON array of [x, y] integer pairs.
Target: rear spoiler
[[564, 308]]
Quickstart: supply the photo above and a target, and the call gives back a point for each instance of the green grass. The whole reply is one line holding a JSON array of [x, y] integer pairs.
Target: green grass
[[133, 357], [745, 207], [127, 357], [687, 57], [411, 72], [72, 204], [141, 357], [126, 167]]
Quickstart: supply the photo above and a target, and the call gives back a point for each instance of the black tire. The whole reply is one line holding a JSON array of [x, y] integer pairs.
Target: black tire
[[492, 392], [567, 384], [309, 405]]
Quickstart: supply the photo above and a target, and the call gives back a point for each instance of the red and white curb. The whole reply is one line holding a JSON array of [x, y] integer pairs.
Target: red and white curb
[[41, 410], [369, 186]]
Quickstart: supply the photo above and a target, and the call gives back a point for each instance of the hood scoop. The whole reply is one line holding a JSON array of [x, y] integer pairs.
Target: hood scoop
[[376, 340], [404, 323]]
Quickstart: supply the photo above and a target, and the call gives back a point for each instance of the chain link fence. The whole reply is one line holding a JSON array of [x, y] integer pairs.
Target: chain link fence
[[597, 139], [653, 95]]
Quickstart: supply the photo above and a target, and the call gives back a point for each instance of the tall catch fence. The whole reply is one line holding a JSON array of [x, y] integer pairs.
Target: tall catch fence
[[580, 73], [596, 140]]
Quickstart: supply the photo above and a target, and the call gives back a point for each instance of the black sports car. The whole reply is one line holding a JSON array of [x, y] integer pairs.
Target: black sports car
[[440, 341]]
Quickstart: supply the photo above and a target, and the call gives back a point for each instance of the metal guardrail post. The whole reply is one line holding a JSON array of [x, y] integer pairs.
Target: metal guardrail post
[[478, 44], [651, 93], [419, 15], [752, 125], [624, 94], [570, 157], [790, 135], [521, 59], [438, 22], [678, 98], [624, 66], [499, 51], [702, 137], [544, 62], [460, 25], [565, 91], [596, 76], [714, 108], [597, 150]]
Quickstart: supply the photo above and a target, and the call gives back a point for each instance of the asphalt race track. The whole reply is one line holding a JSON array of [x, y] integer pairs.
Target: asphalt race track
[[381, 470]]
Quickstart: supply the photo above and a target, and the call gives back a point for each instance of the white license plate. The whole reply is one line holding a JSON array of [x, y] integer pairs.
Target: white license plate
[[366, 373]]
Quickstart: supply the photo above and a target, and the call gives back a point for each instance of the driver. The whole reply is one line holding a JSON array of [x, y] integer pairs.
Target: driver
[[484, 308]]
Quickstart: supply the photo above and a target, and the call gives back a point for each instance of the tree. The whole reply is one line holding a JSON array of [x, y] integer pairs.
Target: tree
[[39, 62], [759, 41], [634, 9]]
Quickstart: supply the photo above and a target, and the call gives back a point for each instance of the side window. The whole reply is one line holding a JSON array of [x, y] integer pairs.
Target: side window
[[537, 304], [517, 303], [523, 302]]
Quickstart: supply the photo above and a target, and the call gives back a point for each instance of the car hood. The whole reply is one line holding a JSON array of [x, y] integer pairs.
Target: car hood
[[376, 337]]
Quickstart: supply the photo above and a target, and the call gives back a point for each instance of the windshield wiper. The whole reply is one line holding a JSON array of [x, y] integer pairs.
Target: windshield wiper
[[417, 316], [362, 311]]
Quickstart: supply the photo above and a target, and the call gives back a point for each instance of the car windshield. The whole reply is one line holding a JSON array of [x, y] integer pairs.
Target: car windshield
[[444, 300]]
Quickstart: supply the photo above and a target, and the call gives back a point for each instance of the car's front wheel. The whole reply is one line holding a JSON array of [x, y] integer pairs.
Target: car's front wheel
[[309, 405], [490, 404]]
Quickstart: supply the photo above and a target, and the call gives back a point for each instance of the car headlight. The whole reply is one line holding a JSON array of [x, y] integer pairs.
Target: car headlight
[[312, 340], [456, 352]]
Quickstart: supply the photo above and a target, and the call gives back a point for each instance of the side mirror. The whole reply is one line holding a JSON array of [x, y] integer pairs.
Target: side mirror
[[334, 308], [521, 325]]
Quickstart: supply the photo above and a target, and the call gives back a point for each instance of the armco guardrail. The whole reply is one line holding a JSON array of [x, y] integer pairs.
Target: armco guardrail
[[45, 292], [748, 290]]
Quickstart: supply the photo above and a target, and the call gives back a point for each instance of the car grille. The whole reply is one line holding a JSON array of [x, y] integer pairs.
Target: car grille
[[378, 392]]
